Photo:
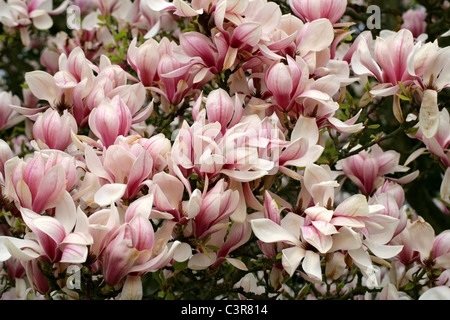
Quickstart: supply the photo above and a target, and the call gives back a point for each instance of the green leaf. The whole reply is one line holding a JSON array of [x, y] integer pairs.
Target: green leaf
[[402, 86], [402, 97], [410, 286], [373, 126]]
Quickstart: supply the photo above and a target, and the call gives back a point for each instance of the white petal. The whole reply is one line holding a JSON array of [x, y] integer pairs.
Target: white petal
[[109, 193], [42, 20], [429, 114], [182, 252], [436, 293], [237, 263], [65, 212], [201, 261], [383, 251], [346, 239], [268, 231], [291, 259], [42, 85], [132, 288], [445, 186], [311, 265]]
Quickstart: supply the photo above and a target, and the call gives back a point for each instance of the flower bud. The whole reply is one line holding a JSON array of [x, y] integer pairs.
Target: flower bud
[[53, 131], [110, 119]]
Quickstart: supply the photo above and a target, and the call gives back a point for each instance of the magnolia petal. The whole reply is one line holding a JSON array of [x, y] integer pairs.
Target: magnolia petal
[[42, 20], [354, 206], [94, 164], [65, 212], [321, 242], [343, 127], [184, 10], [268, 231], [346, 239], [383, 251], [171, 187], [291, 259], [194, 204], [311, 265], [240, 214], [21, 249], [361, 258], [109, 193], [436, 293], [316, 36], [183, 252], [429, 114], [244, 176], [132, 288], [237, 263], [292, 223], [445, 186], [74, 253], [423, 233], [201, 261], [42, 85]]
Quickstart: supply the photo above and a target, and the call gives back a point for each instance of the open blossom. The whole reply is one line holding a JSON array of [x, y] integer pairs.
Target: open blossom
[[427, 64], [123, 166], [62, 238], [132, 248], [368, 169], [440, 142], [422, 245], [329, 230]]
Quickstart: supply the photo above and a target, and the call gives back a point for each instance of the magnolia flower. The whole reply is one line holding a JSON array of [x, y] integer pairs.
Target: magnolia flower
[[65, 89], [62, 238], [439, 143], [427, 65], [330, 230], [414, 20], [368, 169], [216, 206], [38, 182], [122, 168], [422, 245], [132, 248], [109, 120], [388, 64]]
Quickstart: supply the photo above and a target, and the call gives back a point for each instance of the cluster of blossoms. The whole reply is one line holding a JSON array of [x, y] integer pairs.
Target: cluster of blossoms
[[173, 142]]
